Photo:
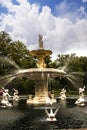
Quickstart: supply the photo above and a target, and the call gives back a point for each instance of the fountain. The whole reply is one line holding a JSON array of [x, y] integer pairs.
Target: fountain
[[27, 117], [41, 74]]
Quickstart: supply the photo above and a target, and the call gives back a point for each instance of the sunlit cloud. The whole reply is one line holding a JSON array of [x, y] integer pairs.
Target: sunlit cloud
[[64, 33]]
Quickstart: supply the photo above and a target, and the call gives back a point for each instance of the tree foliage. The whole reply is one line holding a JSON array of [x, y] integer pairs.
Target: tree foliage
[[15, 51], [20, 54], [23, 85], [7, 66], [5, 42]]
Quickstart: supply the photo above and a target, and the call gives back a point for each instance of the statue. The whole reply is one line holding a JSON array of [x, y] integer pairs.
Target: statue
[[62, 94], [51, 97], [51, 115], [80, 101], [81, 91], [40, 42], [15, 96], [5, 99]]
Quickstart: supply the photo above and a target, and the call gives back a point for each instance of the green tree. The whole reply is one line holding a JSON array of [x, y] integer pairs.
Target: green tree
[[5, 42], [7, 66], [23, 85], [48, 61], [74, 64], [61, 61], [20, 54], [16, 51], [69, 63], [83, 60]]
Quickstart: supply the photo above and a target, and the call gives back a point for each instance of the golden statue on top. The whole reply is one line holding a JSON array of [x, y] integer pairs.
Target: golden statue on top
[[41, 53], [40, 42]]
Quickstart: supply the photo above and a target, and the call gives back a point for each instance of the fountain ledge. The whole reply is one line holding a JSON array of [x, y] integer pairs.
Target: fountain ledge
[[41, 70]]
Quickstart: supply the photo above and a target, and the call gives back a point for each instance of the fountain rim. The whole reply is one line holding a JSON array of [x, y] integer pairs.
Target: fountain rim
[[42, 70], [40, 52]]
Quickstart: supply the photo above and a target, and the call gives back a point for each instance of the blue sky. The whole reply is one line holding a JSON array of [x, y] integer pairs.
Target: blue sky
[[63, 23], [53, 3], [72, 5]]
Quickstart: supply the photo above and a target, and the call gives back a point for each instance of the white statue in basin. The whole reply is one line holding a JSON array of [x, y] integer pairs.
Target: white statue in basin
[[81, 91], [62, 94], [15, 96], [51, 115], [5, 99], [80, 101]]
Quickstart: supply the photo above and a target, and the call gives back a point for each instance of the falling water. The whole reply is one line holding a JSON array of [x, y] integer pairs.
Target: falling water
[[42, 75], [7, 79], [73, 83], [74, 78], [78, 73], [65, 67], [4, 80], [8, 60]]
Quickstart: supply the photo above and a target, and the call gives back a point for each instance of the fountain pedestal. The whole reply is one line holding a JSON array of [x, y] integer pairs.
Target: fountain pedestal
[[41, 92]]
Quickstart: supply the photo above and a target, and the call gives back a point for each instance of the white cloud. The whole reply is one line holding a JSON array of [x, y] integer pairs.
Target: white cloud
[[82, 13], [84, 0], [25, 22], [67, 10]]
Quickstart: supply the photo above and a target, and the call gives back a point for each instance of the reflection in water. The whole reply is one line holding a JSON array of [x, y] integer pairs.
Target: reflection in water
[[30, 117], [51, 112]]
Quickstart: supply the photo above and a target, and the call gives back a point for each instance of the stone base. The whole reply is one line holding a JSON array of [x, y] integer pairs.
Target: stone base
[[40, 100]]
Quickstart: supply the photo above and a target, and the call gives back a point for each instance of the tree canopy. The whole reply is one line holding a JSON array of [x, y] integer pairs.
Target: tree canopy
[[15, 51]]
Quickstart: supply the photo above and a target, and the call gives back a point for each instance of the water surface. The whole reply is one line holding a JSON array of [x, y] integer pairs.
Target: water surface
[[33, 117]]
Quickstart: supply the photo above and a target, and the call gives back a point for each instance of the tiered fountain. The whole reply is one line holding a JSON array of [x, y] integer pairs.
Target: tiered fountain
[[41, 74]]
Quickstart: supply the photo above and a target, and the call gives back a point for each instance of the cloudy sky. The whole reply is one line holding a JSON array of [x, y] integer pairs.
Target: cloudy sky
[[63, 24]]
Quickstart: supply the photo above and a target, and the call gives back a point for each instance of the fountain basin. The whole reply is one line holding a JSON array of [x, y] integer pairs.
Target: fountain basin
[[40, 73], [41, 77]]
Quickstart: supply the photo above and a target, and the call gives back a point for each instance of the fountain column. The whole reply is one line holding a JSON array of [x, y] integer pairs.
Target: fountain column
[[41, 88], [41, 85], [41, 92]]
